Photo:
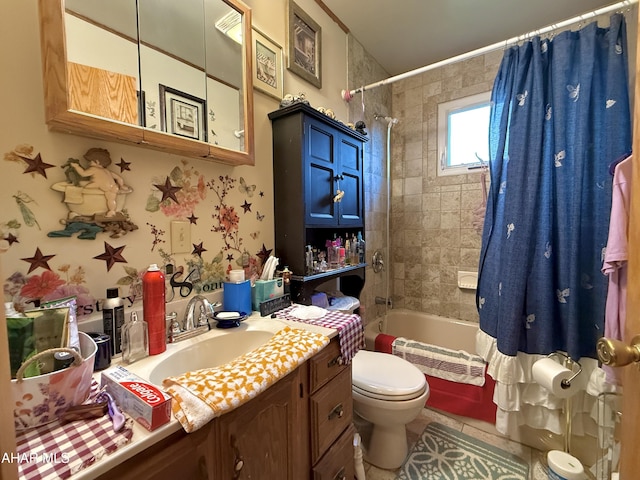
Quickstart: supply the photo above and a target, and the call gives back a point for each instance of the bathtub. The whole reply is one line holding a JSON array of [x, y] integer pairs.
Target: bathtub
[[457, 398]]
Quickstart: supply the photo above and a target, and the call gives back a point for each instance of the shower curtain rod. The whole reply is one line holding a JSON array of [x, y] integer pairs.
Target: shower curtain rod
[[347, 95]]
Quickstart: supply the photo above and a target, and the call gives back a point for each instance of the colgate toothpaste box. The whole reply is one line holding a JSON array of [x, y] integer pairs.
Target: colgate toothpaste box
[[146, 403]]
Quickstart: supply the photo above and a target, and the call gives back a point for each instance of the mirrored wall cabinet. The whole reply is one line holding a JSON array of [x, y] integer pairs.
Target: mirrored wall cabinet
[[174, 76]]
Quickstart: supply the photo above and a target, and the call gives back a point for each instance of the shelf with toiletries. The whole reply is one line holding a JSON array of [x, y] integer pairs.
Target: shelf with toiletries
[[319, 200]]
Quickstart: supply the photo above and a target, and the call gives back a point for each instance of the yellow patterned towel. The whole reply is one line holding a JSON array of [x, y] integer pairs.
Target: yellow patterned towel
[[200, 396]]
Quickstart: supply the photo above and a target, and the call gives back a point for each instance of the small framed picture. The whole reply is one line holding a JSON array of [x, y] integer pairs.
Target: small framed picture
[[267, 65], [304, 38], [182, 114]]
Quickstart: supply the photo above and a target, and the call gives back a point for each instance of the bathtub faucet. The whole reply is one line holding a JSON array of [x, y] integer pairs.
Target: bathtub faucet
[[384, 301]]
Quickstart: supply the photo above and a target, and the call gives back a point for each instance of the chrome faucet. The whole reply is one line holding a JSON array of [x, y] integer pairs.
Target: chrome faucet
[[195, 321]]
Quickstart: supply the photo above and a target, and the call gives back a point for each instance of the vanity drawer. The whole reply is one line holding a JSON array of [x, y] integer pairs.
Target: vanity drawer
[[338, 463], [331, 413], [325, 365]]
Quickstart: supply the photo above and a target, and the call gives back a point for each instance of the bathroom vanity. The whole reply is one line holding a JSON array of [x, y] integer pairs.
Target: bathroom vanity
[[300, 427]]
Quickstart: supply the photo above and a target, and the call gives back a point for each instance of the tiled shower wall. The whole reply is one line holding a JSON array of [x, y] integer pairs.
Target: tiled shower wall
[[432, 218], [364, 70]]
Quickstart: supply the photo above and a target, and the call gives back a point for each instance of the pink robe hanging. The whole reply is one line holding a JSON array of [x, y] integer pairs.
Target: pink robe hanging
[[615, 260]]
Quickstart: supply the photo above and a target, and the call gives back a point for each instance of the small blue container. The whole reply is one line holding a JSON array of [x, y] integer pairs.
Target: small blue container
[[236, 297]]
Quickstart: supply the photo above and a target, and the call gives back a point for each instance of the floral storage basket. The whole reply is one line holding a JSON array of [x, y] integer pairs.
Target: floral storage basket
[[41, 399]]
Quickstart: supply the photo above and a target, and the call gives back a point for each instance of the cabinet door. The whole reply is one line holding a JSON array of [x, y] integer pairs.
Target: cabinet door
[[264, 438], [349, 174], [180, 455], [320, 176]]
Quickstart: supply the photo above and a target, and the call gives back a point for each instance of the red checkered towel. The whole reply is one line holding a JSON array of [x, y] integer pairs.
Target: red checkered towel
[[350, 329], [55, 450]]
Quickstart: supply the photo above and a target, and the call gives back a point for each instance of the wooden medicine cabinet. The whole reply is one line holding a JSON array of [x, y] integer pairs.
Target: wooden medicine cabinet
[[173, 76]]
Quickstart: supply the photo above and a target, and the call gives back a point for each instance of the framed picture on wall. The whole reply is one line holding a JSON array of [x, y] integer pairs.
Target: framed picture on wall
[[304, 38], [182, 114], [267, 65]]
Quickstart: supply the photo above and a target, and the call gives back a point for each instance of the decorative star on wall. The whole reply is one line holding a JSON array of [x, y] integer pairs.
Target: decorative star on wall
[[36, 165], [38, 260], [229, 257], [111, 255], [246, 207], [198, 249], [193, 220], [123, 165], [11, 238], [261, 193], [168, 190], [263, 254]]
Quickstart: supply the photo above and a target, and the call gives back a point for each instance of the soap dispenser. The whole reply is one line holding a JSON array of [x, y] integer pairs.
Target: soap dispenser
[[135, 339]]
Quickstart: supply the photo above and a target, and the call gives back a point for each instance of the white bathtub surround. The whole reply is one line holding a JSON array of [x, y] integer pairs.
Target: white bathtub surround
[[522, 402]]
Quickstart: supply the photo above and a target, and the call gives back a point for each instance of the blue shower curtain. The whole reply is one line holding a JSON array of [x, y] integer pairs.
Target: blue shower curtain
[[560, 117]]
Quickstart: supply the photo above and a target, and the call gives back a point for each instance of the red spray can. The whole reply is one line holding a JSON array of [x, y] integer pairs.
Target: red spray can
[[154, 309]]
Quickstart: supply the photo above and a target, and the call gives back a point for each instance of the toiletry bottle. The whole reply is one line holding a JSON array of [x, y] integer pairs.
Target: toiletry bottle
[[361, 256], [286, 279], [113, 318], [135, 343], [154, 309], [308, 260]]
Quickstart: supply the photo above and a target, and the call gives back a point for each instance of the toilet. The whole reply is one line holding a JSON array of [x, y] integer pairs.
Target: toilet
[[389, 392]]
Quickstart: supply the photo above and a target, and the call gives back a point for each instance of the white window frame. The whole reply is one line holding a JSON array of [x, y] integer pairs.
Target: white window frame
[[444, 110]]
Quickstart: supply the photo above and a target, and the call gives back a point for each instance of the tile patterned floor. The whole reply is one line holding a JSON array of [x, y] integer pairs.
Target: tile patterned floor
[[480, 430]]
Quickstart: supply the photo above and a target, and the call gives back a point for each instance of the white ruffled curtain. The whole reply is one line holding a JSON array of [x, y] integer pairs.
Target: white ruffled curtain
[[521, 401]]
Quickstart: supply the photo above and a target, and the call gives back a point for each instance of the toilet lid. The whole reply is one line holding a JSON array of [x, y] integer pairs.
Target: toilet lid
[[382, 375]]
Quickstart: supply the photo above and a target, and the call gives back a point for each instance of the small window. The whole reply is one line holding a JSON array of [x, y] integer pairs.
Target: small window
[[463, 134]]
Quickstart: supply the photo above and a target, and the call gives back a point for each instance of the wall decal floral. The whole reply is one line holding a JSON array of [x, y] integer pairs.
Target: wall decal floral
[[246, 189], [191, 192], [25, 291], [157, 235], [22, 199]]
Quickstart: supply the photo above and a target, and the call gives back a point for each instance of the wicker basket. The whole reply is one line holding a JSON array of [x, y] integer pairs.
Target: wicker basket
[[41, 399]]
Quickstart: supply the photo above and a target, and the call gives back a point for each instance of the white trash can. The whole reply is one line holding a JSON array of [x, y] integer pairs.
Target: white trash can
[[563, 466]]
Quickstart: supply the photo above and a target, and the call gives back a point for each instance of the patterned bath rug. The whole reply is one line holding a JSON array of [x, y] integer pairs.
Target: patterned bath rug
[[442, 453]]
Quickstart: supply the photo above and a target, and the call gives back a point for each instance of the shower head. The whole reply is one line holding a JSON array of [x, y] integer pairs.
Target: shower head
[[390, 120]]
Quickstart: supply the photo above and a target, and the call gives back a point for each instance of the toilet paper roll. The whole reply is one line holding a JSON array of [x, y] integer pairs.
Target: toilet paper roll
[[550, 374], [236, 276]]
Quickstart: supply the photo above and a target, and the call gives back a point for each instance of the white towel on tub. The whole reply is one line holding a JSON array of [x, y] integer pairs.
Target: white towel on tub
[[453, 365]]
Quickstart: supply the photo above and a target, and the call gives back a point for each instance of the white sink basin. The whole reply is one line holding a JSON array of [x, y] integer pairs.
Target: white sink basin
[[211, 349]]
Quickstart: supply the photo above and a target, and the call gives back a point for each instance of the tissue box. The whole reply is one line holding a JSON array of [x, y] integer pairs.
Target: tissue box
[[147, 404], [266, 290]]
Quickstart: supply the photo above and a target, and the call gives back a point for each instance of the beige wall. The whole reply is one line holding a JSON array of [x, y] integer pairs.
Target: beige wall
[[23, 130]]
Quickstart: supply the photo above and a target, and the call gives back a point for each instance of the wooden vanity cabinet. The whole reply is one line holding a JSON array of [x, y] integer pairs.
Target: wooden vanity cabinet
[[180, 455], [331, 415], [299, 428], [264, 438]]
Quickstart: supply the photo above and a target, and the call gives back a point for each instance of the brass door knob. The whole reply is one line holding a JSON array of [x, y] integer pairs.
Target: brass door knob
[[616, 353]]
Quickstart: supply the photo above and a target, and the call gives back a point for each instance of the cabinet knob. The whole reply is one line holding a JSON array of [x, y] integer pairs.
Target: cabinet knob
[[338, 411], [336, 361], [339, 177], [340, 475]]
